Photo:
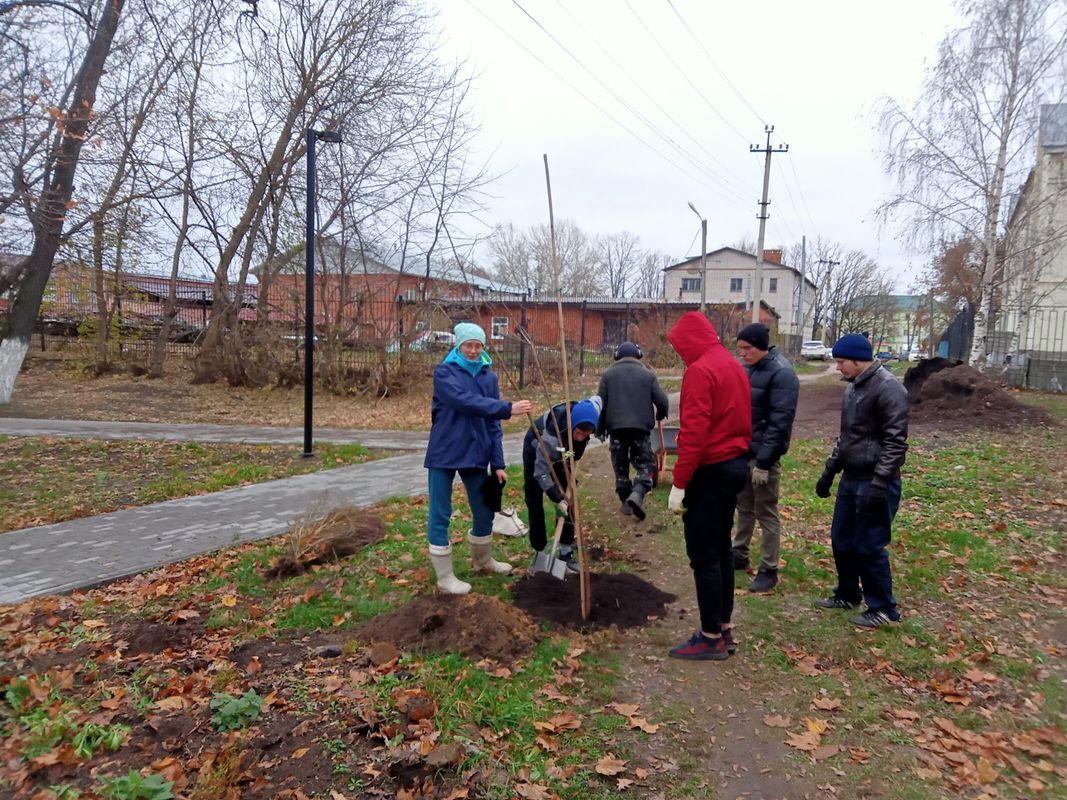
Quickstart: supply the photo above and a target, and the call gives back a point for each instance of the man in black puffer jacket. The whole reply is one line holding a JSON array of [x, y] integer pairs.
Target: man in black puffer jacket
[[775, 389], [633, 402], [870, 452]]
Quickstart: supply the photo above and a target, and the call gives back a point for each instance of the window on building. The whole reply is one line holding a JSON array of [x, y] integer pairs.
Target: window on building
[[773, 285], [735, 285], [499, 328], [690, 284]]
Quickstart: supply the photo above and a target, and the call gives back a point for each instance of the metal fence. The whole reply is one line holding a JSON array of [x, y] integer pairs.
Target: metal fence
[[360, 341], [1027, 346]]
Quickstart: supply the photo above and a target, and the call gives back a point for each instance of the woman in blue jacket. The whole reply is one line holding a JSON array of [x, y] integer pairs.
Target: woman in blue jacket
[[465, 437]]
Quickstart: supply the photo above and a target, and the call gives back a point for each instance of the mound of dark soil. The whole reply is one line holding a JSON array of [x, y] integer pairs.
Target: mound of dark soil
[[472, 625], [953, 394], [622, 600], [916, 376]]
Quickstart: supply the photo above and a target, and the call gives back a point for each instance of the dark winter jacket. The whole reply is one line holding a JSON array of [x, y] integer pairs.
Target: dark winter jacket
[[775, 389], [874, 427], [716, 405], [465, 427], [552, 427], [632, 397]]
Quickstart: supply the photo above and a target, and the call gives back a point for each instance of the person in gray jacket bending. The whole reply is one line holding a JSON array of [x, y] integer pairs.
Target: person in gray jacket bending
[[775, 389], [633, 402]]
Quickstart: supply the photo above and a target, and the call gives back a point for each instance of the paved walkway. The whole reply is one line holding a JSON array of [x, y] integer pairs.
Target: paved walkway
[[87, 552], [238, 434]]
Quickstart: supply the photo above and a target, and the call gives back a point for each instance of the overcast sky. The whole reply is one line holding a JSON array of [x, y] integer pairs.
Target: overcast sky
[[815, 71]]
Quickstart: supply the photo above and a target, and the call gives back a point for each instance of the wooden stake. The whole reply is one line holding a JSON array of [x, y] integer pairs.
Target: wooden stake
[[572, 485]]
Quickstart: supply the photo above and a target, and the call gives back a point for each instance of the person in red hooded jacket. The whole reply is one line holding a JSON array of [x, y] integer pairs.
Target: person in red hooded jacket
[[711, 470]]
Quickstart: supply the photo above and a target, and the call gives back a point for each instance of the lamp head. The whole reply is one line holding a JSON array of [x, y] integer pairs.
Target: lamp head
[[328, 136], [694, 208]]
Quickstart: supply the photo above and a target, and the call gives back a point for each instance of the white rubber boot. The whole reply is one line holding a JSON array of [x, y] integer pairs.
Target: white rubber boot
[[482, 553], [447, 582]]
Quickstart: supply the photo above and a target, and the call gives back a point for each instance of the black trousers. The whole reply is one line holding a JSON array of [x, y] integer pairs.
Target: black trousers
[[710, 500], [535, 497], [632, 447]]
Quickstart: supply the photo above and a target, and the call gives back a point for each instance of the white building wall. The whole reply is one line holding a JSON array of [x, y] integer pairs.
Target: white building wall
[[730, 276]]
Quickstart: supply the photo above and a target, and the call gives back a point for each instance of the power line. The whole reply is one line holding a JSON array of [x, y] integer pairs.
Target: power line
[[800, 188], [627, 105], [592, 102], [647, 94], [714, 64], [789, 197], [683, 73]]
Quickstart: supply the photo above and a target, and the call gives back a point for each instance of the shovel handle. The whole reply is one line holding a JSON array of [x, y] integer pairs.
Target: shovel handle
[[557, 535]]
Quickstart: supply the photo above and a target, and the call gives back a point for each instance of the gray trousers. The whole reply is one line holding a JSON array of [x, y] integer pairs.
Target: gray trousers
[[760, 503]]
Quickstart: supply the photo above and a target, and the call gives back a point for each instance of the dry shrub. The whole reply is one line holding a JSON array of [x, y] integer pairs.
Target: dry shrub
[[319, 539]]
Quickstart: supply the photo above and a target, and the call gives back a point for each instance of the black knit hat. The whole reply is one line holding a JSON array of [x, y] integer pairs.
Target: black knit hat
[[627, 350], [756, 335]]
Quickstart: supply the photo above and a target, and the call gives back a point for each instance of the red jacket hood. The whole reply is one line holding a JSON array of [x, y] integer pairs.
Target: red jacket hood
[[692, 335]]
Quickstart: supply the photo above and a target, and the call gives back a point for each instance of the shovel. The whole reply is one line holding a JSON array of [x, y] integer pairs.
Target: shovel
[[661, 455], [547, 562]]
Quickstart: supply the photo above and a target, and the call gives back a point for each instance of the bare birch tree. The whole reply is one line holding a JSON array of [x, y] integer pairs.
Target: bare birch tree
[[962, 149], [42, 187]]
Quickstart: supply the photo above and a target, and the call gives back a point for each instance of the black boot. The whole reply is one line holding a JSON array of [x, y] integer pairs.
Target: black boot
[[636, 502], [766, 580], [741, 563]]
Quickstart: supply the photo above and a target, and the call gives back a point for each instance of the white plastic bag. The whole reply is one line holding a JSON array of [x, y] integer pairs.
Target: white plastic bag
[[506, 522]]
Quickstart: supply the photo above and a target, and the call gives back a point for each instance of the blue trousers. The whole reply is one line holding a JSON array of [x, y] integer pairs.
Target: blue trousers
[[441, 502], [859, 540]]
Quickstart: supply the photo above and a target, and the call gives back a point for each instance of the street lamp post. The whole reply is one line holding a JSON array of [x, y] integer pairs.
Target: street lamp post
[[703, 259], [309, 282]]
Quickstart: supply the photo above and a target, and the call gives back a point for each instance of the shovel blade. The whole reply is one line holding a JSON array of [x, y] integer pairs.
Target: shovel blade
[[546, 562]]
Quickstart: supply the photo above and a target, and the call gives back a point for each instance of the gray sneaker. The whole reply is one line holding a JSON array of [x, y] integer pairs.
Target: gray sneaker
[[837, 603], [625, 509], [873, 619]]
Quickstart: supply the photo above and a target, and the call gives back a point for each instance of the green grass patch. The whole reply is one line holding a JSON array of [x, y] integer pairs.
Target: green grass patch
[[51, 479]]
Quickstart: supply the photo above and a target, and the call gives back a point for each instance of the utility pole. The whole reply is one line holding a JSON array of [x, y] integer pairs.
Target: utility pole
[[703, 259], [800, 294], [762, 216]]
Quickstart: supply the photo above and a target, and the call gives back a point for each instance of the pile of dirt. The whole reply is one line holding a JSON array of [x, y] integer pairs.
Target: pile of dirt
[[622, 600], [946, 392], [472, 625]]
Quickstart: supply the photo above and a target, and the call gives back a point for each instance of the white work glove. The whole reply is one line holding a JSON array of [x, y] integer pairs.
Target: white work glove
[[563, 507], [674, 501], [760, 477]]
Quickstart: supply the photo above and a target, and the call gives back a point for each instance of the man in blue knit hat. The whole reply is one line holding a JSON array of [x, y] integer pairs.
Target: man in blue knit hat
[[548, 442], [869, 453]]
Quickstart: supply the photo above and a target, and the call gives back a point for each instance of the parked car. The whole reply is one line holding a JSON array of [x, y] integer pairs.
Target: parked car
[[427, 342], [814, 349], [915, 354]]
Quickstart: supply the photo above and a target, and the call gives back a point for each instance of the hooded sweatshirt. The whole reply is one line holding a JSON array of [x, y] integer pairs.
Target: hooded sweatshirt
[[716, 407]]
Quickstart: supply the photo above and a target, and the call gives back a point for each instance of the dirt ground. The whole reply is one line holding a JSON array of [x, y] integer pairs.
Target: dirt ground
[[650, 610]]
